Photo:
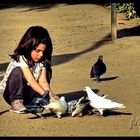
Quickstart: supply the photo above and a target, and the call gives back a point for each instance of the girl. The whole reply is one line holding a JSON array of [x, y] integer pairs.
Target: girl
[[28, 74]]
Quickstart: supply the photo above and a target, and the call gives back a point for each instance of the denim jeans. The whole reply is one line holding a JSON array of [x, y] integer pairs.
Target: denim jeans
[[17, 88]]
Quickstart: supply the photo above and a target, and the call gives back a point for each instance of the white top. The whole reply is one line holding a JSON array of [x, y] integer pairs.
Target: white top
[[21, 63]]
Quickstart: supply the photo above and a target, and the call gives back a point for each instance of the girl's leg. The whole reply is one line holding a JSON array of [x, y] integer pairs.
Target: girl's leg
[[14, 91], [14, 86], [17, 88]]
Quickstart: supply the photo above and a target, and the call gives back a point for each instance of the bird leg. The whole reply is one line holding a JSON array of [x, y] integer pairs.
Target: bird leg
[[96, 112], [38, 115], [97, 78]]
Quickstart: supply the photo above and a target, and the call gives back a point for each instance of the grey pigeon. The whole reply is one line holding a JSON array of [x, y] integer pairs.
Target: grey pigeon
[[98, 69], [76, 107], [101, 103]]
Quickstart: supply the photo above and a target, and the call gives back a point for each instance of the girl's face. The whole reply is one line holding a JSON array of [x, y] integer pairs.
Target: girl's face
[[38, 52]]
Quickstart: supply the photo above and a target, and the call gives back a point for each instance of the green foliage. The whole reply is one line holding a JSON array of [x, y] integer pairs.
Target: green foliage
[[127, 9]]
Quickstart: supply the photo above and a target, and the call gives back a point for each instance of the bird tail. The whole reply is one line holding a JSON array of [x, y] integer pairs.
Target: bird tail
[[118, 105], [122, 106]]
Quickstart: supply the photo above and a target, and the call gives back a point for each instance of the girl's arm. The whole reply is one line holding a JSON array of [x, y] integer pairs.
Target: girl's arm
[[45, 85], [32, 81]]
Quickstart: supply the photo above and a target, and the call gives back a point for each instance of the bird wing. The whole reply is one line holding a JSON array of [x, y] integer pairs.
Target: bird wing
[[57, 106], [101, 102], [92, 72], [53, 107], [104, 103], [99, 68]]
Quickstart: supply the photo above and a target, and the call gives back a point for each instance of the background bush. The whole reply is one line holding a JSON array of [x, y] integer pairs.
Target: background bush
[[131, 10]]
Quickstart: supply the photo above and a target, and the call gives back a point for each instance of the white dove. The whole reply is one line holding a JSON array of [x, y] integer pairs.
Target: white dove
[[58, 107], [101, 103]]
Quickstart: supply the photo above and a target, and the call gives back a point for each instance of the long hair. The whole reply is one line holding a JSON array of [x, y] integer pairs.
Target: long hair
[[30, 41]]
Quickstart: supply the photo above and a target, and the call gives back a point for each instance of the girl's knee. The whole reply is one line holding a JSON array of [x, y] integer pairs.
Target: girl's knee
[[17, 73]]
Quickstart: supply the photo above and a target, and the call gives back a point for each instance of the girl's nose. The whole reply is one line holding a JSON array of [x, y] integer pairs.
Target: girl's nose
[[40, 53]]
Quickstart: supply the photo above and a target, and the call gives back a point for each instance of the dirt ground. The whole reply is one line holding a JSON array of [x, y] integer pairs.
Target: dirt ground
[[80, 32]]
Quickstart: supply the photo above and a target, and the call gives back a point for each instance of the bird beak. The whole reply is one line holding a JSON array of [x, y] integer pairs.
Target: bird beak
[[84, 89]]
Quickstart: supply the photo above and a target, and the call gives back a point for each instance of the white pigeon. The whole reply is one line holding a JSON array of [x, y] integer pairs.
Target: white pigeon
[[58, 107], [101, 103]]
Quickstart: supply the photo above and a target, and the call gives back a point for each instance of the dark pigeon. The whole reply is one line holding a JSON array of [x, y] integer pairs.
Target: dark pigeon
[[36, 106], [98, 69]]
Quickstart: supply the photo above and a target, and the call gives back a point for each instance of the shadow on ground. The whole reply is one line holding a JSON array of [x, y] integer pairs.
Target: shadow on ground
[[41, 4], [2, 112], [63, 58], [110, 113], [127, 32], [106, 78], [75, 95]]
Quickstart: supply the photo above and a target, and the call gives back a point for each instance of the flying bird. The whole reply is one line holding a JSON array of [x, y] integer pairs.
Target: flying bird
[[98, 69], [101, 103]]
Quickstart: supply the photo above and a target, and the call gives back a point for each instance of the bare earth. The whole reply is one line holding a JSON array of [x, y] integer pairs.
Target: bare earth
[[79, 33]]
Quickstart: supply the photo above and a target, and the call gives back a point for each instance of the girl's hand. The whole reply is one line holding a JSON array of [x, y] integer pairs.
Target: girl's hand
[[53, 96]]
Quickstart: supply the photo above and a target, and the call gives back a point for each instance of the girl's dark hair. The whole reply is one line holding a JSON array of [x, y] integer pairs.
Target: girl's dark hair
[[30, 41]]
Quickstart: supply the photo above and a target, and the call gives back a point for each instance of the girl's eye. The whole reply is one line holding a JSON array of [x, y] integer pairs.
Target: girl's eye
[[37, 50]]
